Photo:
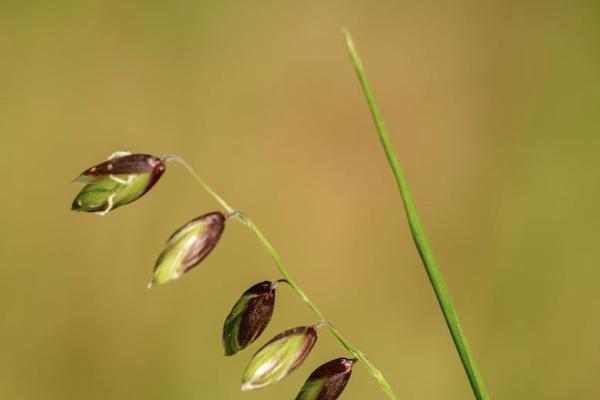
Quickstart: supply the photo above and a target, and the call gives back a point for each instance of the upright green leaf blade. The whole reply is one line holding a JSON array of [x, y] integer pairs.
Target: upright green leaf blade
[[418, 234]]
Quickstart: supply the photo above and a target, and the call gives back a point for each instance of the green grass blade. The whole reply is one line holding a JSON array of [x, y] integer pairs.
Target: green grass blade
[[419, 236]]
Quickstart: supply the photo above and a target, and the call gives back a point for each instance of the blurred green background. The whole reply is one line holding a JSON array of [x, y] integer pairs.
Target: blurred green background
[[493, 108]]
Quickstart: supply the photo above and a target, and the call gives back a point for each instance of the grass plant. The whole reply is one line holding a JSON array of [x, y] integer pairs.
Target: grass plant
[[126, 177]]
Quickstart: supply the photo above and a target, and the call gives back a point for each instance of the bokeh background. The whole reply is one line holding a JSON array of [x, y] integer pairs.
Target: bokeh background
[[493, 108]]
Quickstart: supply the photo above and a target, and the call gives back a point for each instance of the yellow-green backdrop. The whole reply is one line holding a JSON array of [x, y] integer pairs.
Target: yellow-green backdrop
[[493, 108]]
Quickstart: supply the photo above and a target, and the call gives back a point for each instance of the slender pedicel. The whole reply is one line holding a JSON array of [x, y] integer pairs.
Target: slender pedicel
[[246, 221], [176, 158]]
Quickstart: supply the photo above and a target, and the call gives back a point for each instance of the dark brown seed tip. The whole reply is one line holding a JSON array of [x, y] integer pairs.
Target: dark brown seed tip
[[126, 164], [328, 381]]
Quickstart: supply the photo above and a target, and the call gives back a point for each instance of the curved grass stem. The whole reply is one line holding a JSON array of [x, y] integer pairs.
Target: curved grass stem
[[176, 158], [233, 213], [418, 234]]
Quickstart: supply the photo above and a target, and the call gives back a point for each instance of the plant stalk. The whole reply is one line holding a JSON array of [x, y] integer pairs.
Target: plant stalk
[[418, 233], [385, 386]]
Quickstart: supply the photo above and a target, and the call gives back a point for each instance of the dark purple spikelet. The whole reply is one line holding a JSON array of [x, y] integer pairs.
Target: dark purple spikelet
[[328, 381], [249, 317], [188, 246], [127, 164], [120, 180]]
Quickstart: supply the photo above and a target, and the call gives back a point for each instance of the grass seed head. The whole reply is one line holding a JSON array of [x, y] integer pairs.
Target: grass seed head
[[328, 381], [249, 317], [116, 182], [189, 245], [279, 357]]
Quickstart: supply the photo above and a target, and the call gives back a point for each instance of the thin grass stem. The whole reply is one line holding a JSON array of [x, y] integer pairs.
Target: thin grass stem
[[219, 199], [246, 221], [418, 233]]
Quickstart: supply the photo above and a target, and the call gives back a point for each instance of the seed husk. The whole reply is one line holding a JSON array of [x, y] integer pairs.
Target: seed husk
[[328, 381], [279, 357], [249, 317], [188, 246], [120, 180]]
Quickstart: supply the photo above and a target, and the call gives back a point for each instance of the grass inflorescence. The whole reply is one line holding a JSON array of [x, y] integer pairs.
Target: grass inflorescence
[[125, 177]]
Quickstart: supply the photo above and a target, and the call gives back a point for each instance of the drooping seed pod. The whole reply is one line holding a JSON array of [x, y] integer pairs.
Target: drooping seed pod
[[122, 179], [249, 317], [328, 381], [279, 357], [188, 246]]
